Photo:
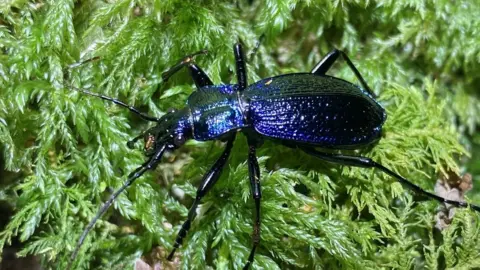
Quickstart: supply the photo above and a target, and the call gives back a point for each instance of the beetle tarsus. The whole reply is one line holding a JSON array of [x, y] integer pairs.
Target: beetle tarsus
[[186, 61], [170, 256], [74, 65], [253, 53], [254, 176]]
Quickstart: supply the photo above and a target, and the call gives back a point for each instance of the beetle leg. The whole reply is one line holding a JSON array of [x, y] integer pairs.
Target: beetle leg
[[254, 175], [253, 53], [207, 183], [240, 66], [364, 162], [148, 165], [77, 64], [200, 78], [326, 63]]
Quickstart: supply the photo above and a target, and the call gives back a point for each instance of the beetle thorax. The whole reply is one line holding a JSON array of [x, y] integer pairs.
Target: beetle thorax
[[215, 111]]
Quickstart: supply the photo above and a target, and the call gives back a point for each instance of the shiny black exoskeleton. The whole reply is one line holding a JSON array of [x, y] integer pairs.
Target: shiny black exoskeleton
[[300, 110]]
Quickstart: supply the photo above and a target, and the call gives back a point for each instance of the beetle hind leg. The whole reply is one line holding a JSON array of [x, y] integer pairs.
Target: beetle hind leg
[[363, 162]]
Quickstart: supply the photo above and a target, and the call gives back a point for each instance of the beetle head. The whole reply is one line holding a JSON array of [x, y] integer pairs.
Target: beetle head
[[171, 131]]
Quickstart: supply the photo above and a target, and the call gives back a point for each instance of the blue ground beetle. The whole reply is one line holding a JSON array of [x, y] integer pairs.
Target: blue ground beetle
[[299, 110]]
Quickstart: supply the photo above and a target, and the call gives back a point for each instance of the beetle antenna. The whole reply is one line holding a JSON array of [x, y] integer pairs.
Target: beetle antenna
[[187, 60], [134, 110], [148, 165]]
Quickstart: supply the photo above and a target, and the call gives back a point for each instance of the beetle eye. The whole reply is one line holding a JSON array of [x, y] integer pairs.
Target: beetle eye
[[171, 110], [179, 140], [149, 142]]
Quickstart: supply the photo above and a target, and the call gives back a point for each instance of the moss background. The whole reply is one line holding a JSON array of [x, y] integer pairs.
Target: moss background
[[64, 153]]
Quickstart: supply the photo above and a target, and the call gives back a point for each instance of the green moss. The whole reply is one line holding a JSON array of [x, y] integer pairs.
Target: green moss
[[64, 151]]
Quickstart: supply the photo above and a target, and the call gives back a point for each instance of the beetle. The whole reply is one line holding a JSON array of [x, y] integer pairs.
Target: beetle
[[299, 110]]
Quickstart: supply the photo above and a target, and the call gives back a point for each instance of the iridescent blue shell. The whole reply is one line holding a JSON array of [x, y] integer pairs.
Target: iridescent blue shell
[[312, 109]]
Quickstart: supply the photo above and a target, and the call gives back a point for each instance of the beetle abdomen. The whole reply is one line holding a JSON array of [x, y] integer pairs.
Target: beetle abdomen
[[306, 108]]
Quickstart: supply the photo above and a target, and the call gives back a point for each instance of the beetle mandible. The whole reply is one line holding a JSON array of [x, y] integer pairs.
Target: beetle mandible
[[299, 110]]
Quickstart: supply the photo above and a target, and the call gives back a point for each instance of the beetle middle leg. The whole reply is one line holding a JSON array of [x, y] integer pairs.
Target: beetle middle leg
[[207, 183], [364, 162], [327, 62]]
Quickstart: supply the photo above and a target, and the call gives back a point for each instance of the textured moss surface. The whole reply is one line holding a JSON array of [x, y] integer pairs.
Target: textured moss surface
[[64, 153]]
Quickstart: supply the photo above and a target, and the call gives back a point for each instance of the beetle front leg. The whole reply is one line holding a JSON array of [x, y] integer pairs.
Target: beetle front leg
[[200, 78], [364, 162], [252, 54], [207, 183], [254, 175], [326, 63]]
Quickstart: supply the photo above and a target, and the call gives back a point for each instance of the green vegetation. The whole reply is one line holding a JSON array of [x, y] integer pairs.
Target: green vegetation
[[64, 152]]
